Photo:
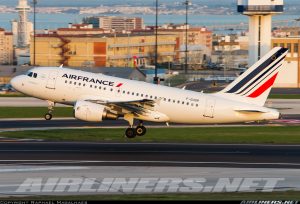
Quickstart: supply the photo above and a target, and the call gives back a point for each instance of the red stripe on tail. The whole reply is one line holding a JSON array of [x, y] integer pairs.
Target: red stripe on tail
[[263, 87]]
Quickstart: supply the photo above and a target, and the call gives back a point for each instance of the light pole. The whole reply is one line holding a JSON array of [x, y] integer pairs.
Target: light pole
[[156, 80], [186, 3], [34, 28]]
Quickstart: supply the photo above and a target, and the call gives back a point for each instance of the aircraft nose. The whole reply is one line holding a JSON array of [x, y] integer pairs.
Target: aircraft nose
[[16, 83]]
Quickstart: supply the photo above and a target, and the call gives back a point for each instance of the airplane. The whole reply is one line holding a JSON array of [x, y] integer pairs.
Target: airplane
[[96, 97]]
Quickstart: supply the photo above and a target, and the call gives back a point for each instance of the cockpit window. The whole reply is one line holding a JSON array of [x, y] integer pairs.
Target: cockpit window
[[31, 74]]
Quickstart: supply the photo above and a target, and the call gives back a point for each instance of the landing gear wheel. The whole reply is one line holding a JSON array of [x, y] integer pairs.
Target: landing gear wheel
[[130, 133], [141, 130], [48, 116]]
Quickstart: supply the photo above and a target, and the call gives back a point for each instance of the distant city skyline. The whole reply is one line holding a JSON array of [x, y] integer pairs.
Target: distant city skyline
[[211, 13], [109, 2], [132, 2]]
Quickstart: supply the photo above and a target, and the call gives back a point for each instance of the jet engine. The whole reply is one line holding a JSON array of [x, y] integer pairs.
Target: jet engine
[[91, 112]]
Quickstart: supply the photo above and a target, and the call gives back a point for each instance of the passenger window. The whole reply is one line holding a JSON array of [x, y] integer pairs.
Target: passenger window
[[30, 74], [35, 75]]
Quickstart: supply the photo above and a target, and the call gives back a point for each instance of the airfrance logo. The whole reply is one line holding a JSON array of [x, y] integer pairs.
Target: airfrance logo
[[91, 80]]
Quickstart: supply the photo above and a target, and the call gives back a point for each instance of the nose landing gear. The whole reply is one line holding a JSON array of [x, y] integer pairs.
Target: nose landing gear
[[48, 116]]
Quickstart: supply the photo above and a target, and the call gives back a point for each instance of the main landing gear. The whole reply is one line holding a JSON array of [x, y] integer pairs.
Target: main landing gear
[[131, 132], [48, 116]]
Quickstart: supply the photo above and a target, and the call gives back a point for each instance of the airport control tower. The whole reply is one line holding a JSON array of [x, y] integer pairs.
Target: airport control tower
[[260, 24], [23, 31]]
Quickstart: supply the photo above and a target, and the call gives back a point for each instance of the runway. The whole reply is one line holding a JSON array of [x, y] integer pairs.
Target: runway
[[23, 159], [143, 154], [52, 168]]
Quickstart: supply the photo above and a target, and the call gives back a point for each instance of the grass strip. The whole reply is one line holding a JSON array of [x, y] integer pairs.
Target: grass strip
[[227, 135], [34, 112]]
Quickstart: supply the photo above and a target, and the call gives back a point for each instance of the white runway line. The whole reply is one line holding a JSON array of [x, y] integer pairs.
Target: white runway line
[[38, 169], [137, 162]]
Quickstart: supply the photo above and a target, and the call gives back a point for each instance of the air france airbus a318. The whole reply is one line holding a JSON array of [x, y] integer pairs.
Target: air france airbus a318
[[96, 97]]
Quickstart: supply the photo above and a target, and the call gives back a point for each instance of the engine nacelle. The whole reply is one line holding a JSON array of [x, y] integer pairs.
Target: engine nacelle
[[92, 112]]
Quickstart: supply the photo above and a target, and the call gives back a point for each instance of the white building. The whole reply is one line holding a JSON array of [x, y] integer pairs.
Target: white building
[[29, 31], [22, 28], [260, 24]]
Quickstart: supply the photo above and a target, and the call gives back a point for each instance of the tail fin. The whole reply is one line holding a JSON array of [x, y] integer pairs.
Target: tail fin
[[255, 84]]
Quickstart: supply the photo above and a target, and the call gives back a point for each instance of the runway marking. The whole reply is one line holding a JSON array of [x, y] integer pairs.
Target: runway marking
[[41, 169], [290, 121], [14, 140], [120, 151], [136, 162]]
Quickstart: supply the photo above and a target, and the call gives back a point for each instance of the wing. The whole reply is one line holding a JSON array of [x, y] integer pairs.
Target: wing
[[137, 107]]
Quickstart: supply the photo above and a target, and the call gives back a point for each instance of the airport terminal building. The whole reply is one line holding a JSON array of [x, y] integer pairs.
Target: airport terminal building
[[290, 75]]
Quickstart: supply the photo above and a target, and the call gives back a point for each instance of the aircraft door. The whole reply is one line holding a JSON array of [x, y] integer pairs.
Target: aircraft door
[[209, 108], [52, 79]]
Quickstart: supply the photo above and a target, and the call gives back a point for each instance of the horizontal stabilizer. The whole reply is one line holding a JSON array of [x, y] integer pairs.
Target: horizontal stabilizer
[[250, 111]]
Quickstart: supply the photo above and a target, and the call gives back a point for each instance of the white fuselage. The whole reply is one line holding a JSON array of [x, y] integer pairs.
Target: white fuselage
[[67, 86]]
